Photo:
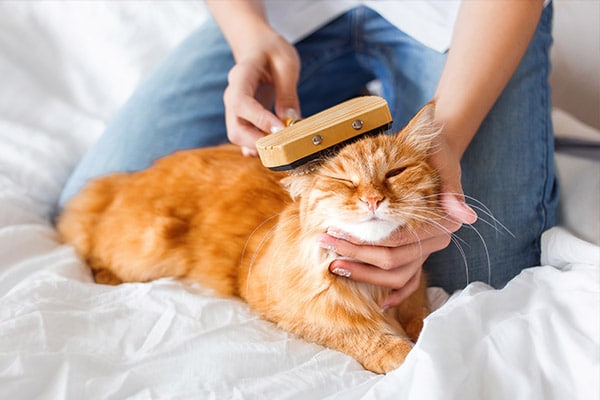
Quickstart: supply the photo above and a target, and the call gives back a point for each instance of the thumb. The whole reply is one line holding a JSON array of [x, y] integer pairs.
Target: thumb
[[456, 208]]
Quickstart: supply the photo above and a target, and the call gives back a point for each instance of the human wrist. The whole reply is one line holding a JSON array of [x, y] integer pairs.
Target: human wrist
[[243, 23], [457, 129], [245, 41]]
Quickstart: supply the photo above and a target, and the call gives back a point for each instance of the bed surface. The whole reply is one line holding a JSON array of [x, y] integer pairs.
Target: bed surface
[[64, 70]]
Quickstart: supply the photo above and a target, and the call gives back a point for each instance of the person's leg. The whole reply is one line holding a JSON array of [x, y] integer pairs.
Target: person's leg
[[179, 106], [330, 71], [508, 173], [408, 70]]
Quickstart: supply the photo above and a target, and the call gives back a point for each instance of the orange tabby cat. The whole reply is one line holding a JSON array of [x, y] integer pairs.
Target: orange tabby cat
[[222, 219]]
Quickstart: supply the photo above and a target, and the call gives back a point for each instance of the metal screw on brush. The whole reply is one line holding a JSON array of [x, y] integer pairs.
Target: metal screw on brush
[[317, 140], [357, 124]]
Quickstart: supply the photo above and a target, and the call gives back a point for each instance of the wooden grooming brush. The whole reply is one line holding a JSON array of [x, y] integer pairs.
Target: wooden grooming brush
[[322, 134]]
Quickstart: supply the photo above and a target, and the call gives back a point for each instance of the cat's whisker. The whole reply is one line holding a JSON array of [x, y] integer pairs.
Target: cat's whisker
[[455, 239], [414, 235], [259, 247], [495, 223], [487, 254], [291, 234], [264, 227], [480, 206]]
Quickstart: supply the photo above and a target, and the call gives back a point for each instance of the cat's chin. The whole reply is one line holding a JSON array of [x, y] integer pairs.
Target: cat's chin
[[371, 231]]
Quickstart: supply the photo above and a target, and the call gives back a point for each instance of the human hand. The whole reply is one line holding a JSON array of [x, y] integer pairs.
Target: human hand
[[266, 73], [396, 262]]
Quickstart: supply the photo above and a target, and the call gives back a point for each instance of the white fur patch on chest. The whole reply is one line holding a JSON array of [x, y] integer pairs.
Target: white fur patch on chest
[[371, 231]]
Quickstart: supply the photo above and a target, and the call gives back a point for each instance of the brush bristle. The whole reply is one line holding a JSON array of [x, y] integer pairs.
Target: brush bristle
[[312, 162]]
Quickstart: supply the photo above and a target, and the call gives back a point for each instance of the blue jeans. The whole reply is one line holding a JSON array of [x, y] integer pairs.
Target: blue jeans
[[507, 169]]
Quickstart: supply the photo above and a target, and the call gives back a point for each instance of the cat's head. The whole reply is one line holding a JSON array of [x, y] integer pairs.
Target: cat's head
[[375, 185]]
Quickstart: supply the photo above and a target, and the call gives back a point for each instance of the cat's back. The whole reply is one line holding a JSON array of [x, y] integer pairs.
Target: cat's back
[[211, 196], [205, 178]]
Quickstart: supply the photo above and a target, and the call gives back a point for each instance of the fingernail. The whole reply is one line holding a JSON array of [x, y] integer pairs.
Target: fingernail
[[385, 307], [471, 215], [291, 113], [275, 129], [248, 152], [337, 234], [327, 246], [341, 272], [322, 241]]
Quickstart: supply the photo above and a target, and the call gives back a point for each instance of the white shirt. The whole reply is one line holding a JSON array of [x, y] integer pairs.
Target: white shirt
[[431, 22]]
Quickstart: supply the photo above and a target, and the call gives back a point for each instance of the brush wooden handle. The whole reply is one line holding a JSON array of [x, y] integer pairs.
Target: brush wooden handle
[[307, 138]]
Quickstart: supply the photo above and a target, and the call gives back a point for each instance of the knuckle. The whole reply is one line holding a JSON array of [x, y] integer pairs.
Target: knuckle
[[229, 98], [233, 135], [399, 238], [388, 260], [412, 284], [290, 63], [235, 132], [261, 121], [455, 226], [233, 73], [400, 281], [347, 249], [445, 241]]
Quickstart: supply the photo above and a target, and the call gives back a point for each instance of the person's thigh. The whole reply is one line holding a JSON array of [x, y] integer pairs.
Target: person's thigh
[[508, 176], [341, 58], [178, 106], [330, 71]]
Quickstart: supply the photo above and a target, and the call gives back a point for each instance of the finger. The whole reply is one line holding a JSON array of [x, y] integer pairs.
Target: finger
[[243, 108], [407, 235], [443, 227], [383, 257], [286, 71], [399, 295], [241, 132], [239, 97], [457, 209], [366, 273], [386, 258], [248, 152]]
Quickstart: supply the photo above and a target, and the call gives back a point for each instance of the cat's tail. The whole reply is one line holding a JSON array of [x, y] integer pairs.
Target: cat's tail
[[78, 221]]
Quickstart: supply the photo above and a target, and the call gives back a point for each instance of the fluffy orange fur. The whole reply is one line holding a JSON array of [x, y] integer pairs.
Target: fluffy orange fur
[[225, 221]]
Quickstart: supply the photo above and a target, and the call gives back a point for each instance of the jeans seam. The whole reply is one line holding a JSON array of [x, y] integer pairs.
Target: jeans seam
[[547, 131], [357, 29]]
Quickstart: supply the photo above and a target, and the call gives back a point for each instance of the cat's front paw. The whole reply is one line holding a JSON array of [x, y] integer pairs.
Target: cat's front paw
[[388, 354], [106, 277]]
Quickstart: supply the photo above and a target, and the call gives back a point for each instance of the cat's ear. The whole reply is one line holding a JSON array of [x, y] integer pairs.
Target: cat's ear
[[297, 184], [422, 128]]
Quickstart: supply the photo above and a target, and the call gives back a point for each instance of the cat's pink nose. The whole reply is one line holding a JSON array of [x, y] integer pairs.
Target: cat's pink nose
[[372, 201]]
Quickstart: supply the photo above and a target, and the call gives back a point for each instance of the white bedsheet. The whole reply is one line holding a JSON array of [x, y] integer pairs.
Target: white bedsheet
[[63, 70]]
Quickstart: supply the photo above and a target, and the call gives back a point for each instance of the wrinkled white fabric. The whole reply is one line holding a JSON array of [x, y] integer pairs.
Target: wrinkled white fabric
[[63, 72]]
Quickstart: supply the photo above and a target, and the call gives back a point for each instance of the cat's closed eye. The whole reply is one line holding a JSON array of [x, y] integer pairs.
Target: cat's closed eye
[[394, 172], [348, 182]]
